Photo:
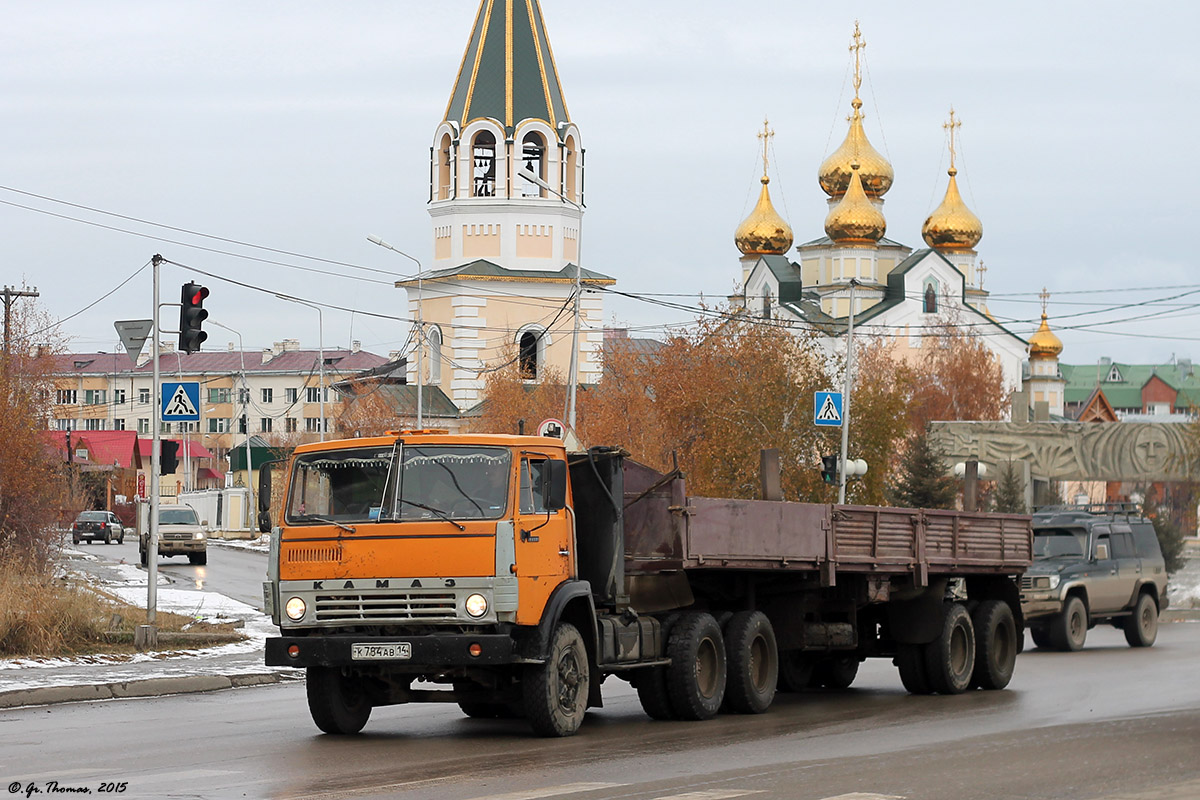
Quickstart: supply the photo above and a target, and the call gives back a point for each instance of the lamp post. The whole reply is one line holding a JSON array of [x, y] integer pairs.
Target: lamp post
[[420, 325], [846, 397], [320, 355], [246, 414], [573, 373]]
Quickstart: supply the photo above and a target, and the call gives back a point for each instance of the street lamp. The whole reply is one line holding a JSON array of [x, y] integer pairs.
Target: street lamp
[[420, 324], [320, 355], [573, 374], [246, 414]]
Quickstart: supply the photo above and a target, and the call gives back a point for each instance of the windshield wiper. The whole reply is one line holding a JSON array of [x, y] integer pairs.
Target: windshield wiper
[[306, 517], [436, 511]]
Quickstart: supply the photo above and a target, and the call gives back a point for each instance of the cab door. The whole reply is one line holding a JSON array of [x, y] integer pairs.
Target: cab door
[[543, 541]]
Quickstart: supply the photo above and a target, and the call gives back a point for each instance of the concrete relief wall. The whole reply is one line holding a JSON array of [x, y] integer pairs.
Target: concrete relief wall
[[1119, 451]]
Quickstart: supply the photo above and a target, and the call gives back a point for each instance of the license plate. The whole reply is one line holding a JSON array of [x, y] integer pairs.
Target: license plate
[[391, 651]]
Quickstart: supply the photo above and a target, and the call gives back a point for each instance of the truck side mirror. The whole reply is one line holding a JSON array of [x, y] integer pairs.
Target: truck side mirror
[[264, 496], [555, 485]]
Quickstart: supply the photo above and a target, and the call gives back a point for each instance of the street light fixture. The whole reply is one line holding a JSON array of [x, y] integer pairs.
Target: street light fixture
[[320, 354], [420, 325]]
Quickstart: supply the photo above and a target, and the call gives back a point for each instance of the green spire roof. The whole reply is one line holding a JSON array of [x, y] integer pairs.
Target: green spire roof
[[508, 71]]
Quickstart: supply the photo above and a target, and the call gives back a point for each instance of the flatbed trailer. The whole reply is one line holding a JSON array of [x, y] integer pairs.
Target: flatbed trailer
[[590, 565]]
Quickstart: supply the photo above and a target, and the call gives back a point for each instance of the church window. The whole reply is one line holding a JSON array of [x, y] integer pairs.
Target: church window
[[443, 169], [572, 166], [930, 306], [766, 305], [533, 155], [435, 355], [529, 355], [485, 165]]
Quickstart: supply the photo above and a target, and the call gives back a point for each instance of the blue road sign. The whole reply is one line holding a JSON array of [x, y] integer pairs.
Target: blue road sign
[[827, 408], [180, 401]]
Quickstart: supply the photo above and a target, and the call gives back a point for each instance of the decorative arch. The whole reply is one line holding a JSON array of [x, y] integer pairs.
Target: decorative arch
[[929, 297], [444, 154], [572, 167], [433, 339], [533, 161], [532, 341], [483, 164]]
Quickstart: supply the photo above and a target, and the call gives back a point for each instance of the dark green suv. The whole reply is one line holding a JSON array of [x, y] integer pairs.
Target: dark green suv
[[1093, 564]]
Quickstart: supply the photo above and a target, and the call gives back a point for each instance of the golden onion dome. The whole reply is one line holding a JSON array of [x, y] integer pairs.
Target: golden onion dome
[[855, 219], [874, 170], [1043, 343], [952, 226], [764, 232]]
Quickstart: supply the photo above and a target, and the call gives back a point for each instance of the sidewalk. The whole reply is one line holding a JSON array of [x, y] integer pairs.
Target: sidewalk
[[38, 681]]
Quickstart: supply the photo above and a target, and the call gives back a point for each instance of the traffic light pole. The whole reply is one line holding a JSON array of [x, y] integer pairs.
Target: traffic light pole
[[846, 398], [156, 442]]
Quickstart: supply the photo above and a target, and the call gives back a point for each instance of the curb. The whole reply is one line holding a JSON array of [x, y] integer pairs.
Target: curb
[[149, 687]]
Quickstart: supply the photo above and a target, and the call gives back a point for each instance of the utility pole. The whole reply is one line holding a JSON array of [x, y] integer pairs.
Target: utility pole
[[10, 296], [846, 397]]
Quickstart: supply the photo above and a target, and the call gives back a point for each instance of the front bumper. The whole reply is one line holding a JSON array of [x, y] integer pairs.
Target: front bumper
[[181, 547], [429, 650], [1035, 605]]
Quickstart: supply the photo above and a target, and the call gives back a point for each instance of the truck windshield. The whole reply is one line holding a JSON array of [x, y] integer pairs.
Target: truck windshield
[[1058, 543], [338, 485], [452, 482]]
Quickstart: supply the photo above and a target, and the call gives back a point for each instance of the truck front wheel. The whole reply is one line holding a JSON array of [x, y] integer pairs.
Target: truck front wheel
[[752, 662], [337, 702], [950, 658], [696, 676], [556, 692]]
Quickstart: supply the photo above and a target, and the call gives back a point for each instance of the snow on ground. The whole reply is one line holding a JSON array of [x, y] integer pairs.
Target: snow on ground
[[1183, 588], [260, 545]]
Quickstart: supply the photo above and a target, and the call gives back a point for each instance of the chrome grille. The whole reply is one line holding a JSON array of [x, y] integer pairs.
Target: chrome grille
[[384, 607]]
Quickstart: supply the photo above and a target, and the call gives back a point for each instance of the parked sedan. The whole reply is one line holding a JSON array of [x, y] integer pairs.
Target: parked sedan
[[93, 525]]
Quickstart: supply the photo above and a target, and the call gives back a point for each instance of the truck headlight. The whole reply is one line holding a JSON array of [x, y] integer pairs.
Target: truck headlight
[[1054, 580], [295, 609], [476, 605]]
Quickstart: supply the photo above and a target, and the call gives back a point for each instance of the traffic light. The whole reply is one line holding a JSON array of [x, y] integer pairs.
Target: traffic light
[[829, 469], [191, 317], [168, 456]]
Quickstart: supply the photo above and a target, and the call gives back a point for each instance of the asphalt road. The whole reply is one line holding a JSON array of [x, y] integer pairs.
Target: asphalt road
[[1107, 722], [235, 573]]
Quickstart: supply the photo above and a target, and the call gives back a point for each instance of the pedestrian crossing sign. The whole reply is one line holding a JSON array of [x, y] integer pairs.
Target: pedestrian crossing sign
[[180, 401], [827, 408]]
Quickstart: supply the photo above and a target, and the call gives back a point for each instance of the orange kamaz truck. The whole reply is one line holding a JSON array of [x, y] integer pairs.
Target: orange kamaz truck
[[511, 577]]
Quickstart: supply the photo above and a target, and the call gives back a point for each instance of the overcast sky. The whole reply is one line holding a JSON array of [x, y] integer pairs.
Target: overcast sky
[[306, 126]]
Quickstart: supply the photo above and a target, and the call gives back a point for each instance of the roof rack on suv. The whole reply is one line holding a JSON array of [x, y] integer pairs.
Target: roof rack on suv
[[1092, 508]]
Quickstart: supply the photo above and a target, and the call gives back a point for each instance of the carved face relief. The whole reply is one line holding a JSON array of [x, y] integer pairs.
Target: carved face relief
[[1151, 450]]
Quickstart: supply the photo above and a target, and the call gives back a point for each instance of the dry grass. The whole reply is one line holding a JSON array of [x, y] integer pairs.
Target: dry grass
[[52, 617]]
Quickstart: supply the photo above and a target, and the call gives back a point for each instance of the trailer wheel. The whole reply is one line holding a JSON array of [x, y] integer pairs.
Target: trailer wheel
[[950, 658], [795, 671], [995, 644], [1141, 629], [837, 672], [1068, 630], [696, 676], [910, 660], [752, 663], [651, 685], [556, 692], [337, 702]]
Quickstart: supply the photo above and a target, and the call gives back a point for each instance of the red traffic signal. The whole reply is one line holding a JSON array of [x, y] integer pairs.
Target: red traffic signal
[[191, 316]]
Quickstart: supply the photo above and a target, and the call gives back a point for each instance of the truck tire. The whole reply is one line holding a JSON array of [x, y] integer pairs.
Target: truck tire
[[1068, 630], [837, 672], [556, 692], [651, 685], [198, 558], [696, 676], [910, 660], [752, 663], [795, 671], [995, 644], [1141, 629], [950, 658], [337, 702], [1041, 637], [144, 557]]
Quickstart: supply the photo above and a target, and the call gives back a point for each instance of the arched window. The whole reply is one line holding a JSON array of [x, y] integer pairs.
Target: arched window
[[533, 162], [434, 338], [766, 308], [528, 355], [443, 169], [930, 299], [484, 173], [572, 167]]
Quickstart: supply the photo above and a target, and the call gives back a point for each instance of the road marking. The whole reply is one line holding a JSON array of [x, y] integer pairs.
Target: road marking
[[710, 794], [551, 791]]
